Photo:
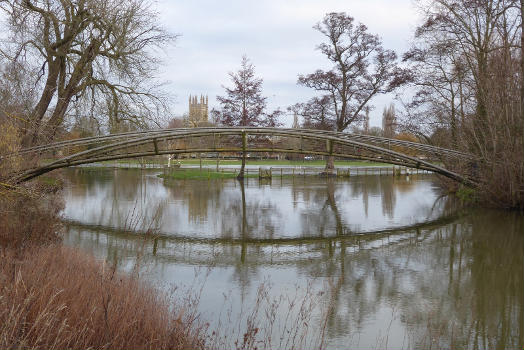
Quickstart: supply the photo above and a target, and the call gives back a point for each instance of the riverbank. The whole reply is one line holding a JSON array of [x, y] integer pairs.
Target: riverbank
[[57, 297], [277, 162], [161, 162], [201, 174], [206, 172]]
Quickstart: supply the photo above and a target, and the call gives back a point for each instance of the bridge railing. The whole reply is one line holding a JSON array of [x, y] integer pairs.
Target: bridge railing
[[388, 143], [237, 141]]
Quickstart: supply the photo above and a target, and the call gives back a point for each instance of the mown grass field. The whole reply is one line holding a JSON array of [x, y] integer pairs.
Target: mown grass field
[[275, 162], [196, 174], [264, 162], [226, 162]]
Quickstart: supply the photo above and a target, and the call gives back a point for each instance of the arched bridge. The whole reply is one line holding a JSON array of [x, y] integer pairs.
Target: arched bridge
[[242, 139]]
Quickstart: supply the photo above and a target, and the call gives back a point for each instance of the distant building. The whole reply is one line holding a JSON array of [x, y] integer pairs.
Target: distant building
[[198, 110], [389, 121], [366, 120], [296, 125]]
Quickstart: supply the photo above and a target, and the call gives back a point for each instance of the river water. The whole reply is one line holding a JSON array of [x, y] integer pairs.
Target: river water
[[366, 262]]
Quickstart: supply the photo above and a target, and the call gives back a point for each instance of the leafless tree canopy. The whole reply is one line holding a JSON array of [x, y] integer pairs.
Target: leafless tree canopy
[[361, 69], [317, 113], [467, 65], [88, 56]]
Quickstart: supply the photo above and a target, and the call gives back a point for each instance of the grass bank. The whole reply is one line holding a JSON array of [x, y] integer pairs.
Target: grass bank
[[197, 174], [275, 162], [225, 162], [55, 297]]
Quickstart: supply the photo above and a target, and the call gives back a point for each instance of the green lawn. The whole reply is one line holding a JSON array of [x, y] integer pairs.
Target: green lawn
[[180, 174], [275, 162], [226, 162]]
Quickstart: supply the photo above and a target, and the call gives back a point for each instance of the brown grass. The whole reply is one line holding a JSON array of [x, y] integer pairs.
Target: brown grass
[[56, 298], [29, 216], [295, 319]]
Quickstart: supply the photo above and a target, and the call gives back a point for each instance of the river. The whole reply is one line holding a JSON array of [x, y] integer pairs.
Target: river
[[375, 261]]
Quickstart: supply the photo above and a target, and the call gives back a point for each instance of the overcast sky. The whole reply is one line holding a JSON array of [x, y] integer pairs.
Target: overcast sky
[[276, 35]]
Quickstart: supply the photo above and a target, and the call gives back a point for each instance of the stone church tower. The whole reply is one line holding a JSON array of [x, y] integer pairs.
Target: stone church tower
[[389, 121], [198, 111]]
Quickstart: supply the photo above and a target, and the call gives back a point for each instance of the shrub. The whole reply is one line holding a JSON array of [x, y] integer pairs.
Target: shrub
[[56, 297]]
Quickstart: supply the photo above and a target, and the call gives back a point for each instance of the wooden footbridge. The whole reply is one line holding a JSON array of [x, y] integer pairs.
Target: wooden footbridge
[[241, 139]]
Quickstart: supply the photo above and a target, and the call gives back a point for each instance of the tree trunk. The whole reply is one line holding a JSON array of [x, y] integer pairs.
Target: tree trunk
[[522, 63], [43, 104], [57, 117], [66, 93], [480, 123], [240, 175], [453, 122], [329, 170], [244, 223], [244, 145], [330, 166]]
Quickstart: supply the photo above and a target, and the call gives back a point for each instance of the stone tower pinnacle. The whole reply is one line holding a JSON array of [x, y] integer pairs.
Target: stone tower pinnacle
[[198, 110]]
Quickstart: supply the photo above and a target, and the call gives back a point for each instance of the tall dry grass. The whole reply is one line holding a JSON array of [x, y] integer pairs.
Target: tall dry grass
[[55, 297], [292, 319], [29, 216], [29, 213]]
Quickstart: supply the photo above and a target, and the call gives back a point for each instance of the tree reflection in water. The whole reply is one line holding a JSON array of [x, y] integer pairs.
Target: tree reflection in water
[[446, 279]]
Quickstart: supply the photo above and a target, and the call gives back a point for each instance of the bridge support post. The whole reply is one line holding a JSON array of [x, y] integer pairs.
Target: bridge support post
[[244, 148], [215, 148], [330, 163], [155, 145]]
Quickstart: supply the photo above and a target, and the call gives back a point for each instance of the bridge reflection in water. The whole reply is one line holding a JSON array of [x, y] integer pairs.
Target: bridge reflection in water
[[403, 262]]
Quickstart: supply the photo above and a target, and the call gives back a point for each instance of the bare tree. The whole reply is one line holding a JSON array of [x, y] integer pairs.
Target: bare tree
[[317, 113], [272, 119], [468, 61], [472, 31], [442, 87], [361, 69], [16, 93], [99, 53], [176, 123], [243, 104]]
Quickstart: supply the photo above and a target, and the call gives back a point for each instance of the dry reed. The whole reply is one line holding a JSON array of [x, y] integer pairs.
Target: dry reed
[[56, 297]]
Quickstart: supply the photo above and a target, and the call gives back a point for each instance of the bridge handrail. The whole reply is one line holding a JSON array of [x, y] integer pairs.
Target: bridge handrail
[[168, 132], [76, 159]]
